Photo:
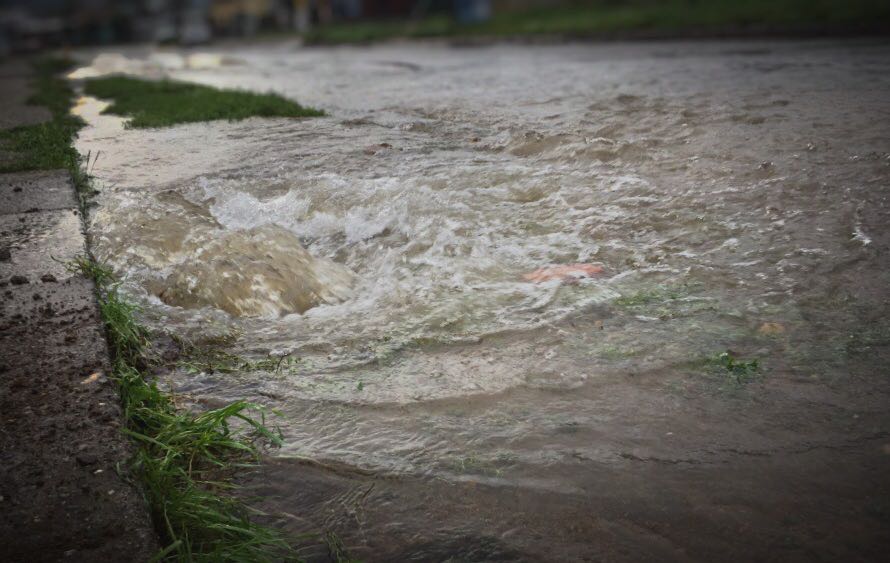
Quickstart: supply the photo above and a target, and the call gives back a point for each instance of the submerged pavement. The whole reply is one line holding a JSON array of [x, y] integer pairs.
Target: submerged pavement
[[734, 193], [61, 496]]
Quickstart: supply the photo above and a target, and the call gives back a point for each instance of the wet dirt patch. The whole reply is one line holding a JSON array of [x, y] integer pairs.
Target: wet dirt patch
[[62, 496]]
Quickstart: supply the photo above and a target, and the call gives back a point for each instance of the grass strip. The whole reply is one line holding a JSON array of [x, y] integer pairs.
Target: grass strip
[[184, 461], [48, 145], [590, 18], [151, 103]]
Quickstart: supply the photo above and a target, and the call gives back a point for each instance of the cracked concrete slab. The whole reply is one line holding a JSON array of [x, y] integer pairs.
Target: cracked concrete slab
[[40, 189], [33, 245], [61, 495], [61, 444], [15, 91]]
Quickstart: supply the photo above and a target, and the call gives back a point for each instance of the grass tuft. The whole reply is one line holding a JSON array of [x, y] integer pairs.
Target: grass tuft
[[162, 103], [203, 359], [127, 338], [742, 370], [645, 297], [185, 461]]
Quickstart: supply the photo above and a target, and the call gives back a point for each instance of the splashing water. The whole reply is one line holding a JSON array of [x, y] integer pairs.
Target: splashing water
[[413, 248]]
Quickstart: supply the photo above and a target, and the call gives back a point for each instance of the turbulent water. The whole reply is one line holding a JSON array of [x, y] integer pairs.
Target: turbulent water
[[734, 195]]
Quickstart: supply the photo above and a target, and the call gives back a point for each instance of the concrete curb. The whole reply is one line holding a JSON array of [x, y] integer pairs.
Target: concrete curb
[[61, 446]]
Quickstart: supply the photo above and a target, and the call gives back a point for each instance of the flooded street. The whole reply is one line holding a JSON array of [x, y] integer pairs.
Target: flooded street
[[440, 394]]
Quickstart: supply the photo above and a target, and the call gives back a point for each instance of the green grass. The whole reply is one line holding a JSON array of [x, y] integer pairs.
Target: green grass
[[602, 17], [197, 359], [48, 145], [163, 103], [666, 301], [370, 31], [645, 297], [742, 371], [617, 352], [185, 461]]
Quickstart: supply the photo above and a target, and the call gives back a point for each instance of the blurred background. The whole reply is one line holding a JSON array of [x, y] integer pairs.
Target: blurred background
[[27, 25]]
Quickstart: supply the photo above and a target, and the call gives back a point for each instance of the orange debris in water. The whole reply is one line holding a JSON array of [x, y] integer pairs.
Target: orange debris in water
[[771, 329], [564, 272]]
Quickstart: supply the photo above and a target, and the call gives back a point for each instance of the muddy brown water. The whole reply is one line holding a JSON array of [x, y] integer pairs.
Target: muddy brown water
[[438, 405]]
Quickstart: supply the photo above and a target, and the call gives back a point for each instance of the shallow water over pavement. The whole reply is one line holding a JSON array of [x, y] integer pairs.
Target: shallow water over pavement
[[734, 195]]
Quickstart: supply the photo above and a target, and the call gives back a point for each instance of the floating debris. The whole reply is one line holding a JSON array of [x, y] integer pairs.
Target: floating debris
[[564, 272]]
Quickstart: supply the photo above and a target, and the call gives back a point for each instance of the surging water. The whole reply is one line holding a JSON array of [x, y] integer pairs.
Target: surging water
[[734, 195]]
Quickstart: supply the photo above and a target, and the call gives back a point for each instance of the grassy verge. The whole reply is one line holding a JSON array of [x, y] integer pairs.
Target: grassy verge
[[162, 103], [604, 17], [48, 145], [370, 31], [184, 461]]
